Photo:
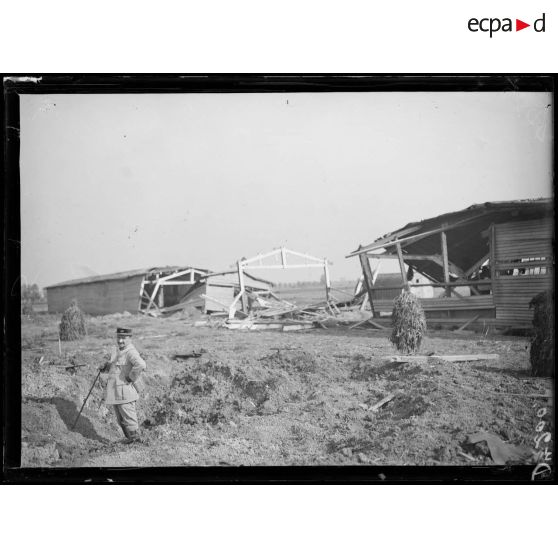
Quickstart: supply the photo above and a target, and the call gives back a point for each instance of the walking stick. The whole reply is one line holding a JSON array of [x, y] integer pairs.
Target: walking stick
[[85, 400]]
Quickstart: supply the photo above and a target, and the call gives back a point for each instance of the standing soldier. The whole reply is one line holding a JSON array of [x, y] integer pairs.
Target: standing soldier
[[122, 389]]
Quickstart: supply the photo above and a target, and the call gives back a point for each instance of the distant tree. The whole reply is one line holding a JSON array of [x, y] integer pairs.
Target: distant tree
[[31, 293]]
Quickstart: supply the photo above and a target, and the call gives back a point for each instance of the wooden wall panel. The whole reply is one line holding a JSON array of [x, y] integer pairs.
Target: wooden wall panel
[[103, 297], [514, 241], [221, 293]]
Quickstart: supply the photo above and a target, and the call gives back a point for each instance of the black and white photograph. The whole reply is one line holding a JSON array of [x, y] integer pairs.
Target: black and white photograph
[[352, 277]]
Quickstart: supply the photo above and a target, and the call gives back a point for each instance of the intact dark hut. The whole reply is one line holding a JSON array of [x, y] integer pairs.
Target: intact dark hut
[[501, 251], [131, 291]]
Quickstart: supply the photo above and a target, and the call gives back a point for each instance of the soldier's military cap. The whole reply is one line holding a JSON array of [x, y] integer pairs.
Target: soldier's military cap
[[123, 332]]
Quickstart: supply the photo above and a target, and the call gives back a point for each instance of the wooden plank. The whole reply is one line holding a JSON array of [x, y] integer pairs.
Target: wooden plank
[[327, 280], [477, 265], [382, 402], [445, 264], [364, 301], [451, 284], [431, 257], [368, 280], [446, 358], [219, 303], [152, 297], [297, 327], [242, 294], [369, 321], [402, 267], [454, 284], [468, 322], [493, 254], [389, 237], [381, 244]]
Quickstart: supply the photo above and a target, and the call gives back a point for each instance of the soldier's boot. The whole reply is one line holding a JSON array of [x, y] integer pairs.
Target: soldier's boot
[[133, 436], [126, 434]]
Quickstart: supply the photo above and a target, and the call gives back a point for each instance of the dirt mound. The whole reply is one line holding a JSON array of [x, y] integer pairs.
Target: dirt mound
[[299, 362], [210, 392], [47, 438], [266, 398], [214, 392], [406, 406]]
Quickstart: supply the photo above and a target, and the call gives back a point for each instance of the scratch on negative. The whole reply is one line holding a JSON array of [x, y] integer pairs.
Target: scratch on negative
[[22, 79]]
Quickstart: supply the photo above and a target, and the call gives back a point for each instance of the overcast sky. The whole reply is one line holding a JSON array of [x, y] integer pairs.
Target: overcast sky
[[117, 182]]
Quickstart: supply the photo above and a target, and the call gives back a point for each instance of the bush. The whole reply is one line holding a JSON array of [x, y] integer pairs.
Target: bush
[[542, 341], [27, 309], [72, 325], [408, 322]]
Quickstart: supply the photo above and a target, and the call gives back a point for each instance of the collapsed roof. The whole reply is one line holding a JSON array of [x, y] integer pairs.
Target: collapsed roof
[[124, 275], [466, 235]]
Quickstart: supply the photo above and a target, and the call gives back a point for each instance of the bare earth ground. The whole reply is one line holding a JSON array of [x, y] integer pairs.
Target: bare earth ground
[[274, 398]]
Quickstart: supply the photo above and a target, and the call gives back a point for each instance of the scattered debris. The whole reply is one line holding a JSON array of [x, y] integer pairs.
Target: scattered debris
[[466, 455], [447, 358], [193, 354], [501, 452], [382, 402], [72, 367]]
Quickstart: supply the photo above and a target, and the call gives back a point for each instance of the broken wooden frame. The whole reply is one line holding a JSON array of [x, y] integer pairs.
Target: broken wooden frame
[[442, 259], [147, 299], [309, 262], [483, 247]]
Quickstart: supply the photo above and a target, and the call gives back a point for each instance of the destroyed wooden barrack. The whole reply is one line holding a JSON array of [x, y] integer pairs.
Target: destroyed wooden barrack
[[280, 258], [488, 261], [138, 290]]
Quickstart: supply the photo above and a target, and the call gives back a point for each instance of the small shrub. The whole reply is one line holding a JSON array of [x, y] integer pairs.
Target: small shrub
[[27, 309], [72, 325], [408, 322], [542, 341]]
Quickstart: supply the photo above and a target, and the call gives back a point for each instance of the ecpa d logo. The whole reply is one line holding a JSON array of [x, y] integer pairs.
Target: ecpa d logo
[[493, 25]]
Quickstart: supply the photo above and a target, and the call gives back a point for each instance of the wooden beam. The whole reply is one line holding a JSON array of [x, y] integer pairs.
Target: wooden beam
[[243, 298], [446, 358], [477, 265], [152, 297], [368, 280], [405, 256], [402, 267], [166, 278], [188, 282], [454, 269], [451, 284], [408, 240], [327, 280], [368, 321], [359, 284], [382, 402], [468, 322], [492, 242], [445, 264], [364, 301], [141, 293], [246, 263], [222, 304], [276, 266], [391, 236]]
